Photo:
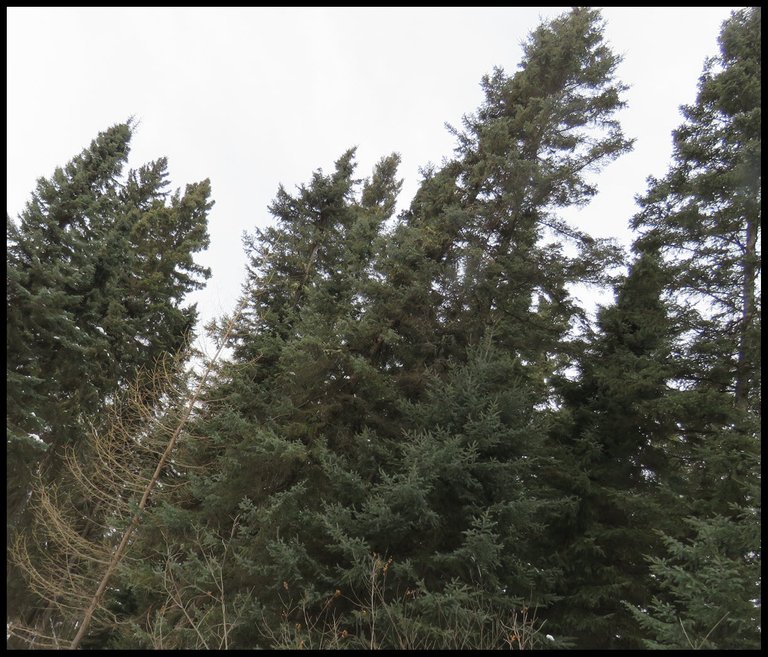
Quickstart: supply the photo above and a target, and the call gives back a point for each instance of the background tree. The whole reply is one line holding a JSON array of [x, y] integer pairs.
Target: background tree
[[705, 215], [705, 218]]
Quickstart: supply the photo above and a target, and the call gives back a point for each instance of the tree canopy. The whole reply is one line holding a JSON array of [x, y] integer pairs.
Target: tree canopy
[[421, 438]]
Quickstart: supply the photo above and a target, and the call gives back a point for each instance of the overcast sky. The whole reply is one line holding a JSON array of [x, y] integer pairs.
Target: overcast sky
[[254, 97]]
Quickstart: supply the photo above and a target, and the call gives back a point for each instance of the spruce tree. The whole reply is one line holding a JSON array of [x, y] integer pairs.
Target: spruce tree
[[704, 216], [98, 267], [488, 219], [617, 428], [300, 382], [479, 259]]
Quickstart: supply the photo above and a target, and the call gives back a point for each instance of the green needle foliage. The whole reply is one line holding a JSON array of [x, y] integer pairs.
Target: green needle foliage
[[421, 439], [98, 266], [618, 427], [389, 389], [486, 224], [705, 218]]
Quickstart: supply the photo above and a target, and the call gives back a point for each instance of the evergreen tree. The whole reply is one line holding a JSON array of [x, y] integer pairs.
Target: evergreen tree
[[301, 376], [469, 265], [617, 426], [664, 419], [98, 267], [705, 218], [301, 351], [486, 224], [708, 584], [457, 507]]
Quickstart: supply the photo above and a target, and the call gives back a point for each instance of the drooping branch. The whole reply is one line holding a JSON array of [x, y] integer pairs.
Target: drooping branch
[[124, 465], [121, 548]]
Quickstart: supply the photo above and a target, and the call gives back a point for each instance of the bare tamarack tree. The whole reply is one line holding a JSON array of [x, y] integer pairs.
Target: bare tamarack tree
[[72, 559]]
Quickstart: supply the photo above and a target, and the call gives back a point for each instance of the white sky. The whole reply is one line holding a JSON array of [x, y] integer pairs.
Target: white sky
[[254, 97]]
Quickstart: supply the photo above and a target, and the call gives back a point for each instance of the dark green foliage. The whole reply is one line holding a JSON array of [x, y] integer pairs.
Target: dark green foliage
[[618, 424], [487, 222], [704, 216], [388, 391], [96, 272], [456, 502], [419, 440], [709, 595], [98, 266], [663, 418], [301, 377]]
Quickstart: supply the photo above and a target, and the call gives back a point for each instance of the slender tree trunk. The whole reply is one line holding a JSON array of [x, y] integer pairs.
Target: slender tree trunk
[[119, 553], [744, 365]]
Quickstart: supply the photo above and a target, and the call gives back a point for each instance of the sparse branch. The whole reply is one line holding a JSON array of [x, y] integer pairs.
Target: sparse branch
[[122, 468], [119, 552]]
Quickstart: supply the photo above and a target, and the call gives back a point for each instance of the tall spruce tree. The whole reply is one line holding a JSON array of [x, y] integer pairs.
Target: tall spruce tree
[[705, 215], [617, 427], [705, 218], [489, 217], [98, 267], [469, 265], [300, 382]]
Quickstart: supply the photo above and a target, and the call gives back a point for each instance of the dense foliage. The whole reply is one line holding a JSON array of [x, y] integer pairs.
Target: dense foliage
[[421, 439], [97, 269]]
